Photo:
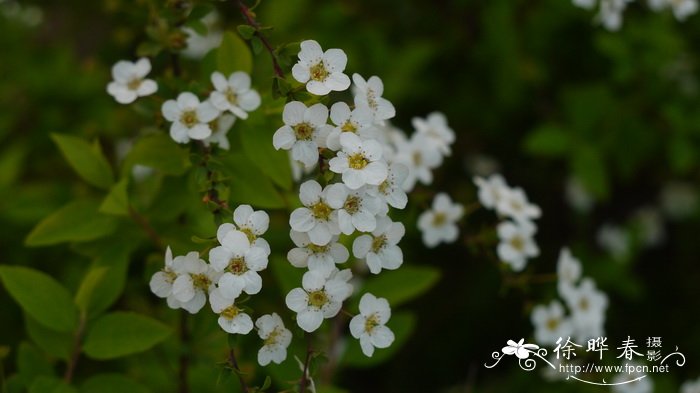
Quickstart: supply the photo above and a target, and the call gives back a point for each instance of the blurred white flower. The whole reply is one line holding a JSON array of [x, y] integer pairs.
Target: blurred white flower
[[220, 128], [577, 196], [691, 386], [435, 128], [614, 240], [369, 326], [234, 94], [550, 323], [199, 45], [588, 306], [321, 71], [491, 190], [513, 203], [682, 9], [391, 191], [190, 118], [368, 94], [420, 157], [568, 271], [130, 81], [439, 224], [516, 243], [679, 200]]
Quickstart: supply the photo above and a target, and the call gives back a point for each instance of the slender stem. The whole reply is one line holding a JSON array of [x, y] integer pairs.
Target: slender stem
[[336, 332], [304, 381], [146, 226], [234, 364], [184, 361], [250, 19], [75, 353]]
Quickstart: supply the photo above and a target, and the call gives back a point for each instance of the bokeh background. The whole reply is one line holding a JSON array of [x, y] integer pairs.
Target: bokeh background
[[602, 129]]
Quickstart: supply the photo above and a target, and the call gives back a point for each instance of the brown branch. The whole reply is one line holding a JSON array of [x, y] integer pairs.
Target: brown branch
[[304, 381], [252, 22], [146, 226], [234, 364], [184, 361], [75, 353]]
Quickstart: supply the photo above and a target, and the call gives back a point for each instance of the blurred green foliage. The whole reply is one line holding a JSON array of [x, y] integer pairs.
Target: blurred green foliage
[[532, 84]]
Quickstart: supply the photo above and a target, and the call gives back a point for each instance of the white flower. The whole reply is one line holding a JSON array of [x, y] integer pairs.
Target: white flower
[[190, 117], [550, 323], [303, 132], [220, 127], [369, 326], [162, 281], [360, 162], [231, 318], [200, 45], [129, 82], [587, 305], [307, 254], [357, 208], [368, 94], [614, 240], [321, 71], [610, 14], [439, 224], [679, 200], [516, 244], [234, 94], [391, 191], [691, 386], [276, 338], [253, 223], [491, 190], [318, 217], [568, 271], [357, 121], [435, 128], [420, 157], [195, 280], [577, 196], [588, 4], [513, 203], [682, 9], [380, 248], [321, 297], [240, 264]]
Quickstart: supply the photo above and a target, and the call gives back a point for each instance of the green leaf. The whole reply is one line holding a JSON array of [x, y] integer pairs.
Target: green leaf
[[198, 26], [588, 166], [288, 277], [41, 296], [120, 333], [112, 383], [117, 200], [233, 55], [250, 185], [31, 363], [246, 31], [402, 285], [52, 342], [402, 324], [115, 262], [92, 280], [77, 221], [548, 140], [46, 384], [87, 160], [160, 152], [256, 138]]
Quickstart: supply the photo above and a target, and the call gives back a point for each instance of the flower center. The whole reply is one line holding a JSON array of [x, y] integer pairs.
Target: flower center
[[189, 118], [272, 338], [134, 84], [552, 323], [249, 234], [170, 276], [352, 204], [303, 131], [201, 281], [318, 298], [230, 312], [318, 249], [357, 161], [319, 72], [439, 219], [231, 96], [237, 266], [517, 243], [371, 322], [371, 99], [349, 126], [321, 211], [378, 243], [583, 304], [385, 187], [417, 158]]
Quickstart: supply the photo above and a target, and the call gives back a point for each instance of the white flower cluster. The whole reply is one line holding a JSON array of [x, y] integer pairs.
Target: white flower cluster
[[610, 11], [691, 386], [209, 121], [233, 269], [586, 303], [516, 234]]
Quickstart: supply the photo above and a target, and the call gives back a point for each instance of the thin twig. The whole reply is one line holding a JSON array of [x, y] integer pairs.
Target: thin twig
[[336, 331], [237, 370], [251, 21], [184, 362], [304, 381], [75, 353], [146, 226]]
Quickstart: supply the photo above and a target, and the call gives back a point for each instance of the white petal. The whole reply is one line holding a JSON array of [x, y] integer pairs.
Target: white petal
[[309, 320], [293, 113], [297, 300], [284, 138]]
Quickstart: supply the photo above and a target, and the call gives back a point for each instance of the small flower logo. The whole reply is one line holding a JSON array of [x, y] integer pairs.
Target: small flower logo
[[522, 351]]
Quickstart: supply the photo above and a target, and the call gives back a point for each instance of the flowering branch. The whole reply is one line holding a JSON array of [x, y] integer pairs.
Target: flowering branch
[[252, 22], [234, 364], [304, 381]]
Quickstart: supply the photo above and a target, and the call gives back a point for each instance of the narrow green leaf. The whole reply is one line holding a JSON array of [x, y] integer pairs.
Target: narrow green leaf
[[112, 383], [41, 296], [256, 137], [548, 140], [160, 152], [249, 185], [31, 363], [234, 55], [108, 287], [52, 342], [45, 384], [402, 285], [402, 324], [288, 277], [91, 281], [117, 200], [86, 160], [76, 221], [246, 31], [120, 333]]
